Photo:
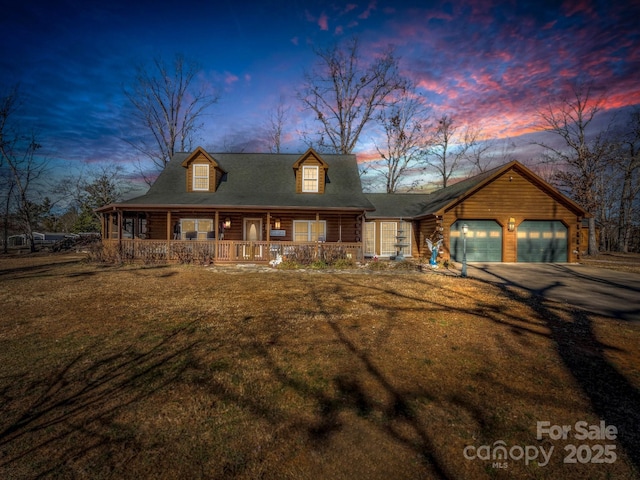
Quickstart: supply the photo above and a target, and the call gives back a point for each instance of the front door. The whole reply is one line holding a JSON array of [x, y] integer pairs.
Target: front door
[[252, 233]]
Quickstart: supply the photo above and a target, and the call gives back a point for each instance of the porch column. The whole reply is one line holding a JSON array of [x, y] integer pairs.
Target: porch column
[[268, 227], [318, 234], [216, 229], [169, 234], [120, 226]]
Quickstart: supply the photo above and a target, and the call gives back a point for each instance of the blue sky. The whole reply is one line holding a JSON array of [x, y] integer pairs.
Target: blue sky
[[490, 64]]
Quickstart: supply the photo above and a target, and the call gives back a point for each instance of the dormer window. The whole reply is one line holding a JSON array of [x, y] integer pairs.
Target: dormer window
[[201, 177], [310, 178]]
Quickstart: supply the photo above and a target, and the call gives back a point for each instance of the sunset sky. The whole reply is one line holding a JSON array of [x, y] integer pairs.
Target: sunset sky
[[489, 64]]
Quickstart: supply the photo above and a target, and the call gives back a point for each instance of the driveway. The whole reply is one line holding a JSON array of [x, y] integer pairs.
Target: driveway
[[597, 290]]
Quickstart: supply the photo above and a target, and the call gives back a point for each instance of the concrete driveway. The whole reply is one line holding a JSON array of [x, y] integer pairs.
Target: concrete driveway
[[597, 290]]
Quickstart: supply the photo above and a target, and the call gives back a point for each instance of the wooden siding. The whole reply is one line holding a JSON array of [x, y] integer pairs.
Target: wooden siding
[[512, 195], [340, 227], [311, 161]]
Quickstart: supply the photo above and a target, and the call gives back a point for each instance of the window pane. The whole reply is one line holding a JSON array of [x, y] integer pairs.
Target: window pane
[[201, 177], [309, 179], [300, 231], [369, 238], [388, 238]]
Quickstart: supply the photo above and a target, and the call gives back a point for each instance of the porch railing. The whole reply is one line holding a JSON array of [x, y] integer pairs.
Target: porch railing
[[232, 251]]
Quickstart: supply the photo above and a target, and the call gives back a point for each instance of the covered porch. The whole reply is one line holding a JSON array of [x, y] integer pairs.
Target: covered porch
[[232, 236]]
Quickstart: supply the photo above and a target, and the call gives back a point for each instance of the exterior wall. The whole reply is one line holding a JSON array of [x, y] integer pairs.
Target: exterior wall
[[340, 227], [512, 195]]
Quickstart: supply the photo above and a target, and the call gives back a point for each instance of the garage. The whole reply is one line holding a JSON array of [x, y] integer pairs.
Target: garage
[[484, 241], [542, 241]]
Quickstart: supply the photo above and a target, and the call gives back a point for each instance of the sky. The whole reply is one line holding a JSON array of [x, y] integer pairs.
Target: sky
[[489, 64]]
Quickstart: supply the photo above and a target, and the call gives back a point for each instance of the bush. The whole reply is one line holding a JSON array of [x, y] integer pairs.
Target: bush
[[344, 263], [288, 265], [377, 265], [319, 265], [111, 253]]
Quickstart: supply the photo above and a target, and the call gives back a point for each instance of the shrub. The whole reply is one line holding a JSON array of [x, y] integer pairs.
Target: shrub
[[288, 265], [319, 265], [344, 263], [377, 265]]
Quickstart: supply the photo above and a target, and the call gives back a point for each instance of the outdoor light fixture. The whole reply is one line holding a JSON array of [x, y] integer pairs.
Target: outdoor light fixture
[[227, 222], [511, 226], [276, 224], [465, 230]]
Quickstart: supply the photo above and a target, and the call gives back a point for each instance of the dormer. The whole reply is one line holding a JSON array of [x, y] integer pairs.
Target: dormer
[[203, 172], [311, 173]]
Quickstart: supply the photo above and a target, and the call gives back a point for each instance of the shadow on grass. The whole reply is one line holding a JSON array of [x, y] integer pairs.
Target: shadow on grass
[[613, 398], [63, 417]]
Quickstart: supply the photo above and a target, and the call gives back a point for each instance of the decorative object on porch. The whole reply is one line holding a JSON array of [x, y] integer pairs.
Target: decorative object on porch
[[435, 248]]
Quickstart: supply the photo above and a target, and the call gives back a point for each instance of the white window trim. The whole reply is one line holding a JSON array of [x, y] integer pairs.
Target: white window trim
[[317, 178], [205, 189], [408, 232], [197, 224], [309, 223]]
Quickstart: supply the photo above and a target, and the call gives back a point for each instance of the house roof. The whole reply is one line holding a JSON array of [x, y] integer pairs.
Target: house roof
[[256, 180], [420, 205], [397, 205]]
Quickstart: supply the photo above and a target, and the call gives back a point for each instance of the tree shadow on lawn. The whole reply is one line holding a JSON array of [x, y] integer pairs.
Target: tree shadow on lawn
[[613, 398], [70, 413]]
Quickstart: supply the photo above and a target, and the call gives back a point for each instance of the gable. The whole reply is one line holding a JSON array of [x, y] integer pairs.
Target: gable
[[516, 188], [310, 173], [202, 171]]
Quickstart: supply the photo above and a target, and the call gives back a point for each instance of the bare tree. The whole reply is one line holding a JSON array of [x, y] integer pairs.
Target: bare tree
[[581, 160], [483, 154], [344, 94], [168, 105], [91, 189], [23, 168], [275, 127], [628, 163], [404, 141], [449, 147]]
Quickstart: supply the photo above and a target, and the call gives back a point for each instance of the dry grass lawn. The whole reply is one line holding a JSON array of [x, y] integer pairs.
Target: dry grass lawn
[[178, 372]]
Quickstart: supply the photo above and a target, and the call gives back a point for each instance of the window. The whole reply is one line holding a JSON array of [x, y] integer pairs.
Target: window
[[310, 179], [390, 244], [306, 230], [370, 238], [196, 229], [388, 238], [200, 177]]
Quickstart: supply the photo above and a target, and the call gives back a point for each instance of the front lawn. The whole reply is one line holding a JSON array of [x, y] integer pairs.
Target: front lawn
[[183, 372]]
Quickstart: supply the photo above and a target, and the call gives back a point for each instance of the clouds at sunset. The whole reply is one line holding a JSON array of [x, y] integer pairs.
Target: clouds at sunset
[[489, 64]]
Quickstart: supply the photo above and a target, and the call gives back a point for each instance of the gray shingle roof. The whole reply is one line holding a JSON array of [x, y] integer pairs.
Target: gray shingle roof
[[259, 180]]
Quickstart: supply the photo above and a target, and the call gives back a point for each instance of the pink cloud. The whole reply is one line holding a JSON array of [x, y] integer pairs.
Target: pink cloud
[[323, 22], [364, 15], [230, 78]]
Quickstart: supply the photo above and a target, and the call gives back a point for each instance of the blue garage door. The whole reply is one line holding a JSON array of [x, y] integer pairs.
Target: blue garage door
[[542, 241], [484, 241]]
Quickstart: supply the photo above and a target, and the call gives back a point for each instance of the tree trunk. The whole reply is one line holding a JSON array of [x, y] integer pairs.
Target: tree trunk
[[593, 245]]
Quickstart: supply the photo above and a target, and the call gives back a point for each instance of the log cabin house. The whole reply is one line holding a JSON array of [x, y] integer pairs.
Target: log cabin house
[[256, 207]]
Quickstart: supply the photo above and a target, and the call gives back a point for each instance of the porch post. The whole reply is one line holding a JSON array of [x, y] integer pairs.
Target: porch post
[[216, 229], [120, 227], [268, 227], [318, 234], [168, 234]]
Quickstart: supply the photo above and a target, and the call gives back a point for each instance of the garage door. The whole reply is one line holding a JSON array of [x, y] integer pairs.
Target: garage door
[[484, 241], [542, 241]]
